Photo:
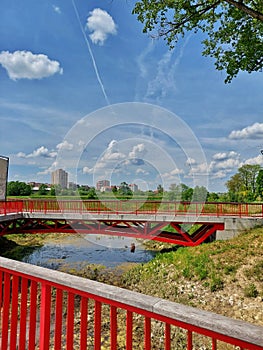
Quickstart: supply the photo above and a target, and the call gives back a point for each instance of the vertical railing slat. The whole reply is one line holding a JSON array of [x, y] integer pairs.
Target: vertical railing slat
[[70, 321], [14, 314], [45, 311], [6, 307], [23, 314], [113, 328], [83, 323], [167, 336], [58, 319], [33, 316], [97, 325], [189, 340], [147, 333], [129, 336], [214, 344]]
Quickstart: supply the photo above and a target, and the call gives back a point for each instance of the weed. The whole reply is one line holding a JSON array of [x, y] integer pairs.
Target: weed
[[251, 291]]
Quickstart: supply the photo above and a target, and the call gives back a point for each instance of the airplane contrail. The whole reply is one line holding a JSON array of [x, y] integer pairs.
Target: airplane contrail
[[91, 54]]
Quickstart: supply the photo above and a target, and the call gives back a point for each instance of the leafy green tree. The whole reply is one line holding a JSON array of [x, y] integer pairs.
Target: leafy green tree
[[17, 188], [199, 194], [259, 184], [234, 29], [212, 197], [242, 186], [92, 193], [125, 190], [43, 190], [160, 189]]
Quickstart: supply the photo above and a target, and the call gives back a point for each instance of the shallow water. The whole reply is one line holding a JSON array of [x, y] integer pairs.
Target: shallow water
[[75, 250]]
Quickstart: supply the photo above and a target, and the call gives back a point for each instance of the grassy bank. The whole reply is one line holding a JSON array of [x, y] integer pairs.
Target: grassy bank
[[224, 276]]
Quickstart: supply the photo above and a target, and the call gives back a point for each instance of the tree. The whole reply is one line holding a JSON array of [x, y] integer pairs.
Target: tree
[[124, 189], [234, 29], [160, 189], [243, 184], [259, 184], [17, 188], [43, 189], [199, 194]]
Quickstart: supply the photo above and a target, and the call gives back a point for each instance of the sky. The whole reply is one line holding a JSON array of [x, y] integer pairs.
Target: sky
[[84, 89]]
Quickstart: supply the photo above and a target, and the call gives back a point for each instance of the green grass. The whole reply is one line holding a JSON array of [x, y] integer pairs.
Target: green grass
[[214, 265]]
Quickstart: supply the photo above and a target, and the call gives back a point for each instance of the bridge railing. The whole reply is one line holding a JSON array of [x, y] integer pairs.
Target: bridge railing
[[45, 309], [134, 207], [11, 207]]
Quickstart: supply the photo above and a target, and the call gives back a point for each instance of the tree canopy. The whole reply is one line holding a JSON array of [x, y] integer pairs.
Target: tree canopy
[[234, 29]]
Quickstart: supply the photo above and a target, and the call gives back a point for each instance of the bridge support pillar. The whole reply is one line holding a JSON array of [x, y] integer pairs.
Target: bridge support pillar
[[235, 226]]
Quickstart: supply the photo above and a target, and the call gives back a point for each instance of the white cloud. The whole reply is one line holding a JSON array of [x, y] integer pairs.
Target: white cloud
[[87, 170], [225, 155], [254, 131], [26, 65], [190, 161], [65, 145], [256, 160], [138, 151], [56, 9], [172, 175], [39, 152], [101, 24]]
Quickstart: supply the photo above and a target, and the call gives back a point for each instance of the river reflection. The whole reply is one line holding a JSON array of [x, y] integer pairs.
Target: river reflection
[[91, 249]]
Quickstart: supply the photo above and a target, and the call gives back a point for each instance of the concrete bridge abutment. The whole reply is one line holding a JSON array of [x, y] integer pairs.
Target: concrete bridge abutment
[[235, 226]]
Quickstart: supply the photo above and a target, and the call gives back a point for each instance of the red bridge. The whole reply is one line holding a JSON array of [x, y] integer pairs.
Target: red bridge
[[41, 309], [186, 223]]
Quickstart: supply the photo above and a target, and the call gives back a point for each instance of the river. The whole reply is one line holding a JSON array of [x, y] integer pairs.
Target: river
[[73, 251]]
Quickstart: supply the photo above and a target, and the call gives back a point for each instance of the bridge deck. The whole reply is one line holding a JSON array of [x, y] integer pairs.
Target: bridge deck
[[161, 221]]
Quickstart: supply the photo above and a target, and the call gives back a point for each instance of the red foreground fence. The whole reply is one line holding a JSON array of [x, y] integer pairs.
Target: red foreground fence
[[133, 207], [45, 309]]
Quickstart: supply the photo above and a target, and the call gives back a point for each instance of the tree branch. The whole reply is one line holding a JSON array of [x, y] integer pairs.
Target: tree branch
[[240, 5]]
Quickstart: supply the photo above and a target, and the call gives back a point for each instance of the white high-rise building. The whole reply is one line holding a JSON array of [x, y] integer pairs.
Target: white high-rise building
[[59, 177]]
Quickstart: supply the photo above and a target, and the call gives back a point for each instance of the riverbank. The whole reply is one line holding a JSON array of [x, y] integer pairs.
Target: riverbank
[[223, 277]]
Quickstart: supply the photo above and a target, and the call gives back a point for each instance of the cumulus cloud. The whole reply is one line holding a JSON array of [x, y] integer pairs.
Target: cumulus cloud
[[102, 25], [65, 145], [254, 131], [172, 174], [26, 65], [87, 170], [255, 161], [137, 151], [39, 152], [221, 156]]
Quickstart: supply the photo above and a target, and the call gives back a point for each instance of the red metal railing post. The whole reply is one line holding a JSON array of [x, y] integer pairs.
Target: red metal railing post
[[147, 333], [113, 328], [5, 312], [58, 319], [167, 336], [33, 316], [189, 340], [97, 326], [214, 345], [23, 315], [70, 321], [83, 323], [44, 336], [129, 330], [14, 315]]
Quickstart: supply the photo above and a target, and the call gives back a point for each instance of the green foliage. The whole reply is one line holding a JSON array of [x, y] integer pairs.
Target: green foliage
[[234, 29], [251, 291], [17, 188], [243, 186], [43, 190]]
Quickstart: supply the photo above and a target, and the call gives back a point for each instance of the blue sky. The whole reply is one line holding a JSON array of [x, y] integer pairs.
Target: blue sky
[[69, 68]]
